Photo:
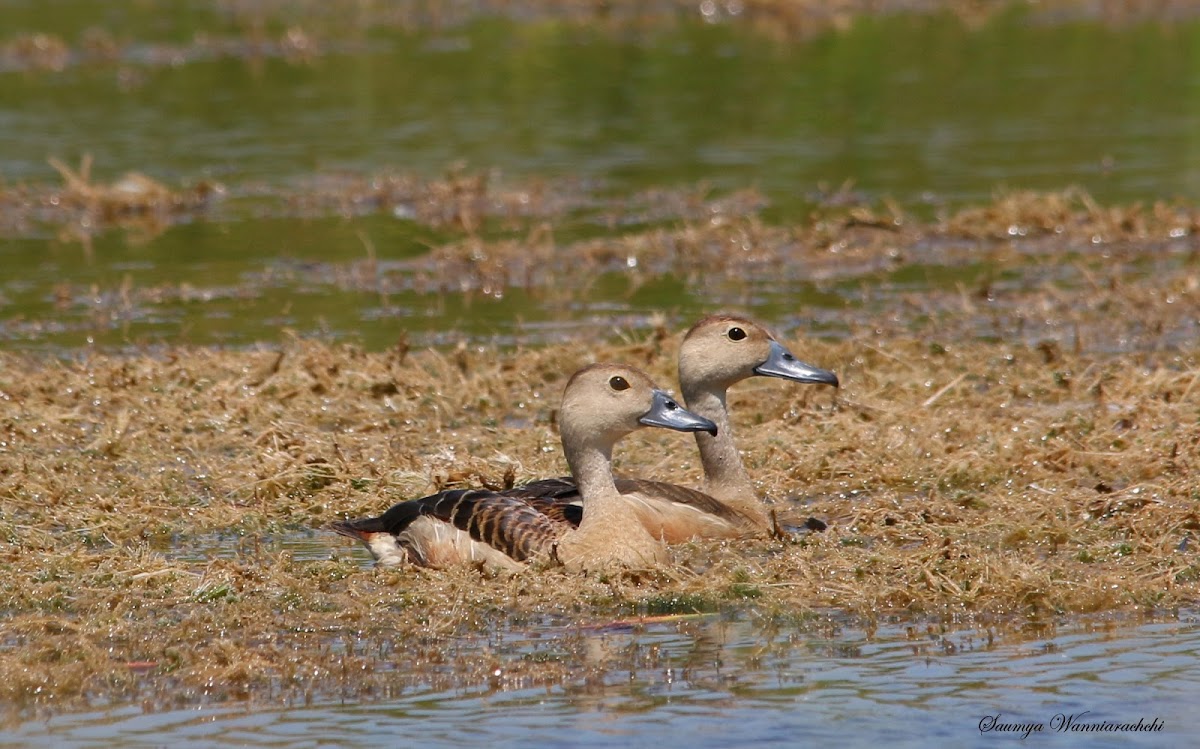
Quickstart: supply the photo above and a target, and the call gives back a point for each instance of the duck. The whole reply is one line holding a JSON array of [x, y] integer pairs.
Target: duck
[[506, 530], [716, 353]]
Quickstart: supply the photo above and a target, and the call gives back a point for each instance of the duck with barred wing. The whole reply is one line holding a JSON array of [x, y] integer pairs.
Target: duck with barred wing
[[502, 530], [717, 353]]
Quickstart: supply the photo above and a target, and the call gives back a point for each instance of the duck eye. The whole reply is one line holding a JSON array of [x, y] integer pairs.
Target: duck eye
[[618, 383], [736, 334]]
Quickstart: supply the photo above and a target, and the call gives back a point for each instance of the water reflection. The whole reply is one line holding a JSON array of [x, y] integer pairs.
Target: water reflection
[[125, 301], [714, 682], [921, 108], [913, 107]]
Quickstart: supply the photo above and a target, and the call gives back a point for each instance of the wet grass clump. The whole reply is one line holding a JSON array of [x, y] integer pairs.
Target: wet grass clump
[[1053, 270], [976, 481]]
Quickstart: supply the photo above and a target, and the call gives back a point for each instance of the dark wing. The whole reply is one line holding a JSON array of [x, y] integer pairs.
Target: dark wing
[[693, 498], [523, 521], [560, 492], [557, 498], [562, 488], [514, 525], [519, 527]]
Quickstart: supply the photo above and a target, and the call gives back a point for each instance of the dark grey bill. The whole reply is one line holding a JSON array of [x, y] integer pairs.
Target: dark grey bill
[[781, 363], [666, 412]]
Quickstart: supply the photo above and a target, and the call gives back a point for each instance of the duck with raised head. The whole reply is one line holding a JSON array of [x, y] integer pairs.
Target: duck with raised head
[[601, 404], [717, 352]]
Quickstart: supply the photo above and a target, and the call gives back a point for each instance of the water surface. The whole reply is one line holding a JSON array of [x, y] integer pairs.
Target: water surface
[[718, 682], [921, 109], [917, 108]]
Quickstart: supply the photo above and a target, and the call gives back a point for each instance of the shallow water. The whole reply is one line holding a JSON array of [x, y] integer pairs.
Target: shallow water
[[716, 683], [302, 546], [924, 110], [920, 109]]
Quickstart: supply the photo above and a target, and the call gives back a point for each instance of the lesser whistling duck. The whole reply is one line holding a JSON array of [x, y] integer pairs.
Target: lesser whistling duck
[[601, 404], [717, 353]]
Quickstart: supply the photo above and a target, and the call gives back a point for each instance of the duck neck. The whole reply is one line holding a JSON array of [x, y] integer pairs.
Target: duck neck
[[610, 532], [724, 475], [591, 466]]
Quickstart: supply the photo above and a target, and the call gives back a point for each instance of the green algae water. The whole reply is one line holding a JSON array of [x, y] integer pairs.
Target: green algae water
[[918, 109], [922, 110]]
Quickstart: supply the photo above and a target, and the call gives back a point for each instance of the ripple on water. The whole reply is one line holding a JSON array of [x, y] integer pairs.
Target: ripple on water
[[721, 683]]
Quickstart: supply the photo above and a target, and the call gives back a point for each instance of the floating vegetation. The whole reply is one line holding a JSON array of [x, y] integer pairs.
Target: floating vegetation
[[460, 201], [1015, 441], [81, 207], [981, 481], [1041, 267]]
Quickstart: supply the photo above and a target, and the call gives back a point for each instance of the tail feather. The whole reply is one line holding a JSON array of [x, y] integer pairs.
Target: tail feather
[[349, 529], [394, 521]]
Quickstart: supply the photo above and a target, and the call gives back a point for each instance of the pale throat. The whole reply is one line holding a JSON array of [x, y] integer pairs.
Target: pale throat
[[590, 462], [610, 530]]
